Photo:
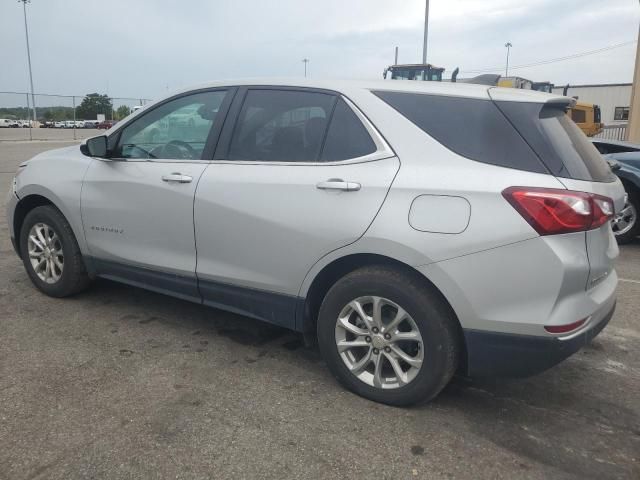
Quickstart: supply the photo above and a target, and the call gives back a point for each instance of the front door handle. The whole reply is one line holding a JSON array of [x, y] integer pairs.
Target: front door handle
[[177, 178], [339, 184]]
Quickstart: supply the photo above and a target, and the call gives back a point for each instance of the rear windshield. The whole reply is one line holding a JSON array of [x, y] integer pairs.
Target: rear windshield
[[471, 127], [558, 141]]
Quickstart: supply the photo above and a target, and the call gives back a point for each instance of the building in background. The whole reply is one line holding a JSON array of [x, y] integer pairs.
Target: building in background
[[613, 98]]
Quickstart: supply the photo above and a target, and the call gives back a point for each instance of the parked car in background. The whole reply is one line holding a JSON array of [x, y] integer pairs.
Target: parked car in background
[[47, 124], [5, 123], [357, 213], [91, 123], [15, 123], [59, 124], [106, 125], [624, 159]]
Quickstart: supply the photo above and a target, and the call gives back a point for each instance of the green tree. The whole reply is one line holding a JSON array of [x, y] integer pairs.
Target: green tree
[[122, 112], [92, 105]]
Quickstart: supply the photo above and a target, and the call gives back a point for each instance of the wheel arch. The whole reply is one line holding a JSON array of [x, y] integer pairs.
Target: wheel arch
[[23, 207], [630, 186], [309, 305]]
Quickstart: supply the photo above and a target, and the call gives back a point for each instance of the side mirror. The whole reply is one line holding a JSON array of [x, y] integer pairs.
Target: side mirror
[[95, 147]]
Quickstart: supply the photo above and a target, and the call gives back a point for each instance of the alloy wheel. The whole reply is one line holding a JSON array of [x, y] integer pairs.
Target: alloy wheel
[[45, 253], [625, 220], [379, 342]]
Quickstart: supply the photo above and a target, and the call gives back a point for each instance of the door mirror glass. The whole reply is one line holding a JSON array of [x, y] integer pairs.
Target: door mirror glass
[[95, 147]]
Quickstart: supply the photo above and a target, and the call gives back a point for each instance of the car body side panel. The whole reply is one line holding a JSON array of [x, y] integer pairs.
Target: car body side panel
[[57, 175], [131, 216], [263, 225], [521, 287]]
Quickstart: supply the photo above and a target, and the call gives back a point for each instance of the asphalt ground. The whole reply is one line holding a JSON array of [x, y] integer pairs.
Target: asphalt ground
[[119, 382]]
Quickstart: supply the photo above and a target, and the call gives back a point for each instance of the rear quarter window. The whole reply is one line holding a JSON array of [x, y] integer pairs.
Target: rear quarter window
[[473, 128], [565, 150]]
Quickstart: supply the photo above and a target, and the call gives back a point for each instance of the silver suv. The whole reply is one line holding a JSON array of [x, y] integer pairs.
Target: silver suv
[[412, 229]]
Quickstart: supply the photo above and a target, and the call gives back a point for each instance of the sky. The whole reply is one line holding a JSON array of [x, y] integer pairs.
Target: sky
[[146, 48]]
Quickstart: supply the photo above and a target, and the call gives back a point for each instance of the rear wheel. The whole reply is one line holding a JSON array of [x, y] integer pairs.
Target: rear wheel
[[625, 224], [51, 254], [386, 336]]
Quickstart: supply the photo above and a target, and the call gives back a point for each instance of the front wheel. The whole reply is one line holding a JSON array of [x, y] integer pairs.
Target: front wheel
[[50, 253], [388, 337]]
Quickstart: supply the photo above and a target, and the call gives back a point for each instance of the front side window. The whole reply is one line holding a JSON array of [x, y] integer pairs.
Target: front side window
[[281, 126], [175, 130]]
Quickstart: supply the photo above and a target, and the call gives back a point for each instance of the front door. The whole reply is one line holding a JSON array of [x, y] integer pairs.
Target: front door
[[137, 206], [301, 176]]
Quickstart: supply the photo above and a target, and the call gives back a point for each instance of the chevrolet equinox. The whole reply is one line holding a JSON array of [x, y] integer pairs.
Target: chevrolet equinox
[[414, 229]]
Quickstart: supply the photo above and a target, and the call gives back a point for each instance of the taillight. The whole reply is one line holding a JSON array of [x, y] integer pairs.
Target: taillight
[[552, 211]]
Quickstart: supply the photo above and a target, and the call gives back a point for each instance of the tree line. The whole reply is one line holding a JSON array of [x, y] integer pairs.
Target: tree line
[[91, 105]]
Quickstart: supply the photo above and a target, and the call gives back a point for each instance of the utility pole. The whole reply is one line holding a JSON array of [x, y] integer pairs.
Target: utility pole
[[305, 61], [633, 128], [426, 32], [395, 62], [506, 70], [26, 32]]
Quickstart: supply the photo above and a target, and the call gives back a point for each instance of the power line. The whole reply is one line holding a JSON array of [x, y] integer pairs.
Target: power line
[[554, 60]]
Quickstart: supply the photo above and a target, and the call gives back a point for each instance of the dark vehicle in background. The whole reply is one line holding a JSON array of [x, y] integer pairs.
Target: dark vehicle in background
[[624, 159], [106, 125]]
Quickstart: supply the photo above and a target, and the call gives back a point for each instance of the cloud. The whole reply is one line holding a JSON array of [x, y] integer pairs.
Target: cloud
[[140, 48]]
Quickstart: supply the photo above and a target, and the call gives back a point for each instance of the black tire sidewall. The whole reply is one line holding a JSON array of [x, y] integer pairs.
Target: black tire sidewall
[[432, 318], [52, 217]]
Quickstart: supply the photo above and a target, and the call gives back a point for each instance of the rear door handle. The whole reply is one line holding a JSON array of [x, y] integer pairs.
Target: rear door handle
[[339, 184], [177, 178]]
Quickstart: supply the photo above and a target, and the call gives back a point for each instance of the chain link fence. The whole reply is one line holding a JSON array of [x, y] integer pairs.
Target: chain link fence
[[60, 117]]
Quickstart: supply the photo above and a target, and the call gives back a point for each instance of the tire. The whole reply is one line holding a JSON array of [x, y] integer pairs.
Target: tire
[[428, 312], [73, 277], [633, 208]]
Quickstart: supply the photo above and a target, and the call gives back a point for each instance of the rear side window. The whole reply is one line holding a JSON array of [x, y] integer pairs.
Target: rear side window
[[473, 128], [558, 141], [580, 157], [281, 126], [347, 137]]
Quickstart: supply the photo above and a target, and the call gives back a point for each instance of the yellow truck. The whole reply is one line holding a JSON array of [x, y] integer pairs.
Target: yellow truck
[[585, 115]]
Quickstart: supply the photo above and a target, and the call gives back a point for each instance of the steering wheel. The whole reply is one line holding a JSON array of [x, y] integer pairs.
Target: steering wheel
[[181, 149]]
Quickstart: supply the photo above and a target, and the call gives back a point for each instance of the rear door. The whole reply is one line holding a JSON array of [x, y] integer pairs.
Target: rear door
[[301, 173]]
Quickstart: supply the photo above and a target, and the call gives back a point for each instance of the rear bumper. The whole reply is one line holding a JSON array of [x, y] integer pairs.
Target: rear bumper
[[510, 355]]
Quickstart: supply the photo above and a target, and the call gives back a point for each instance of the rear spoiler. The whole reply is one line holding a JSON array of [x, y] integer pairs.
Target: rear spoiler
[[485, 79], [530, 96]]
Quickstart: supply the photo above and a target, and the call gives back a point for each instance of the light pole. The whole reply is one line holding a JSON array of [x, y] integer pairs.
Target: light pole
[[26, 32], [506, 70], [426, 32], [305, 61]]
